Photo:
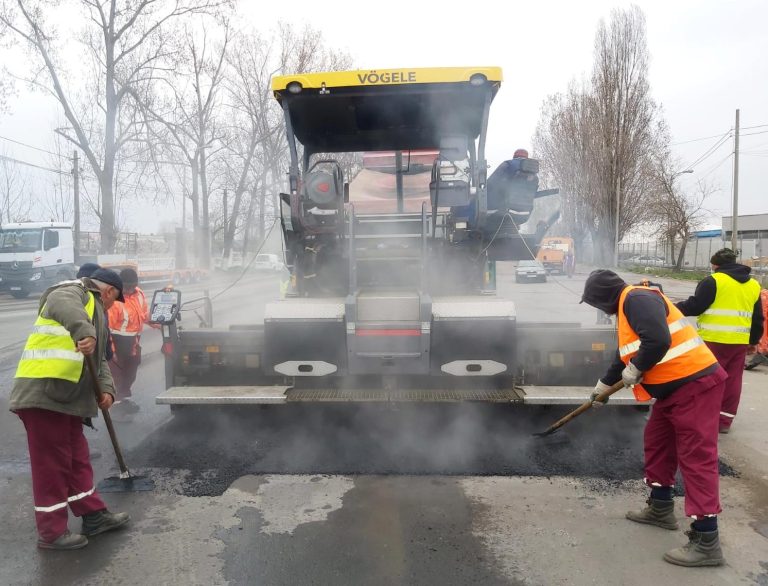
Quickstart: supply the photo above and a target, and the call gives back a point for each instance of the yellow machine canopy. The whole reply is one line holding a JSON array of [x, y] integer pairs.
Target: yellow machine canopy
[[386, 109]]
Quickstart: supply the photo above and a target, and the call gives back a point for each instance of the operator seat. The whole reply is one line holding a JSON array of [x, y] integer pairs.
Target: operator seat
[[449, 186], [322, 196]]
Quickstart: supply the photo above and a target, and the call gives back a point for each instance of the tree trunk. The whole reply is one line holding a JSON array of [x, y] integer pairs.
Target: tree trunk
[[107, 175], [196, 212], [107, 212], [671, 247], [205, 243], [248, 223], [230, 224], [681, 255], [603, 239]]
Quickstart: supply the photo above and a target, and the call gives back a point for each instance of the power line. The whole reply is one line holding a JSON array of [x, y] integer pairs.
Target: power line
[[715, 167], [715, 135], [754, 133], [29, 146], [699, 139], [710, 151], [28, 164]]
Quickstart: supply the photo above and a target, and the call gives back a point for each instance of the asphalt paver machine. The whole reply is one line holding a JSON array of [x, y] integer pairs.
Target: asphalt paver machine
[[392, 229]]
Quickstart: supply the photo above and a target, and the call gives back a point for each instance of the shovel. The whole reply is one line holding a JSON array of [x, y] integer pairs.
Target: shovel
[[580, 409], [126, 482]]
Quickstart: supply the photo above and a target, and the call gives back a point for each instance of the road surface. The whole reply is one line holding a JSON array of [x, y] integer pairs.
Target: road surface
[[413, 494]]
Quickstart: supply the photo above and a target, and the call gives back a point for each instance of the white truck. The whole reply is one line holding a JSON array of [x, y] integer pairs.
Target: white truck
[[34, 256]]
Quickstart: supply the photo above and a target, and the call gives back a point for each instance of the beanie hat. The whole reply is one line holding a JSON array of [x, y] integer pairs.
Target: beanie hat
[[602, 290], [87, 269], [724, 256]]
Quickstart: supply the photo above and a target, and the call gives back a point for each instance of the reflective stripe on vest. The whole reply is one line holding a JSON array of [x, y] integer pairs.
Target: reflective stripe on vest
[[687, 353], [123, 331], [674, 327], [729, 319], [138, 303], [50, 351]]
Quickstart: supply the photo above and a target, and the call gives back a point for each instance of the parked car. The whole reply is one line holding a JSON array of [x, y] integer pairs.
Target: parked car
[[530, 270], [268, 262], [645, 260]]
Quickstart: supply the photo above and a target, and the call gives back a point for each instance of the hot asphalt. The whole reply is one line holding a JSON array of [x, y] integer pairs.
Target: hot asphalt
[[375, 494]]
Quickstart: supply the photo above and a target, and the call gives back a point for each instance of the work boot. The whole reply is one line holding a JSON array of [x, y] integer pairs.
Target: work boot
[[129, 406], [101, 521], [702, 549], [724, 429], [658, 512], [64, 541]]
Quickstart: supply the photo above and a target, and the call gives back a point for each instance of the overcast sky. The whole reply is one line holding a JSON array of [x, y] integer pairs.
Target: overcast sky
[[707, 59]]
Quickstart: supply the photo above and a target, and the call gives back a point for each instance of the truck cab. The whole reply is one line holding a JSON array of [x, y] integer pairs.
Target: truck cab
[[34, 256]]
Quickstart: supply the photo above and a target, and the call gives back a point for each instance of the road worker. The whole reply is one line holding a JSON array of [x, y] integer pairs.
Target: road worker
[[126, 322], [761, 356], [53, 393], [658, 347], [730, 314]]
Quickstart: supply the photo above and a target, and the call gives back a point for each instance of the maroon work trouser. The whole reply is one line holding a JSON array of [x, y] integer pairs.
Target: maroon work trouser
[[682, 432], [124, 369], [61, 470], [731, 357]]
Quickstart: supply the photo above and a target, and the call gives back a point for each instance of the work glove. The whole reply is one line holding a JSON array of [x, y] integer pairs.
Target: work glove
[[599, 388], [631, 375]]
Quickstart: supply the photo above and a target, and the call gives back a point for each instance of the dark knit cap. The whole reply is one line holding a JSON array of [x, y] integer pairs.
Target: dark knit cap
[[129, 277], [87, 269], [724, 256], [602, 290], [110, 277]]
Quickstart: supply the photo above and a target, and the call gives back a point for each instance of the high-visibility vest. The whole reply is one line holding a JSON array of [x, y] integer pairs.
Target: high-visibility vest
[[687, 354], [127, 318], [50, 351], [729, 319]]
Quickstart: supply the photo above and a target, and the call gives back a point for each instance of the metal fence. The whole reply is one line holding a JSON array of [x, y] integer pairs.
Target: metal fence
[[752, 252]]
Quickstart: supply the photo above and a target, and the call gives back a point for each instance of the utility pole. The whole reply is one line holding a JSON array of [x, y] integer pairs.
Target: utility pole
[[618, 215], [735, 220], [76, 182]]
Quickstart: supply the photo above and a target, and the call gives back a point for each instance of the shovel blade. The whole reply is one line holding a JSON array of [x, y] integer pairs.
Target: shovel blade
[[546, 433], [129, 484]]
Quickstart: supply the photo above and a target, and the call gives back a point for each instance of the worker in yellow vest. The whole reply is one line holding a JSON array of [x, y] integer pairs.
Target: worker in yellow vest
[[661, 356], [53, 393], [730, 314]]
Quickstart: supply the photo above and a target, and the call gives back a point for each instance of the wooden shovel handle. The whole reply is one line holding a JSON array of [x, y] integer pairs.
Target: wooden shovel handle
[[584, 407], [107, 417]]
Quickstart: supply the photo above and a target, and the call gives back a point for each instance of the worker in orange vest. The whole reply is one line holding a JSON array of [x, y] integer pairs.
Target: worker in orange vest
[[661, 349], [126, 322], [761, 351]]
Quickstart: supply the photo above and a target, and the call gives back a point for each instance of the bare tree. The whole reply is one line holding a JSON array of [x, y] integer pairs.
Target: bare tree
[[602, 135], [14, 193], [562, 142], [184, 120], [125, 43], [257, 145], [676, 214], [627, 123]]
